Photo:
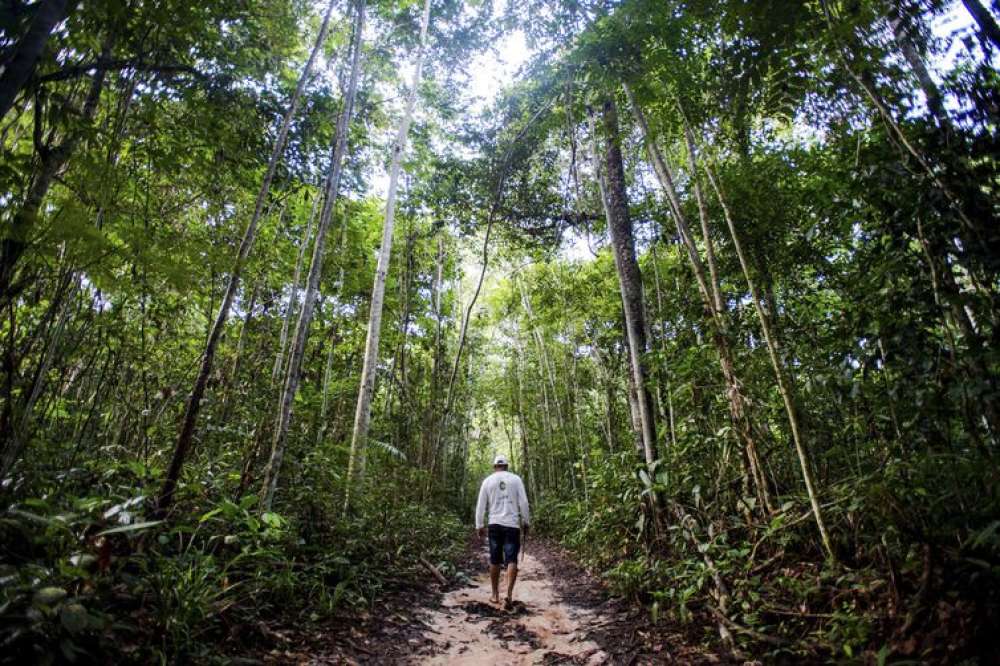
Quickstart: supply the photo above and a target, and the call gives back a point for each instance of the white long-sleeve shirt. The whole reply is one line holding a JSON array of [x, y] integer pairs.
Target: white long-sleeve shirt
[[502, 496]]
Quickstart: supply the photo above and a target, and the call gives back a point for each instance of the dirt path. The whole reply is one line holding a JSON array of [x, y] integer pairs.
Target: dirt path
[[562, 615], [540, 628]]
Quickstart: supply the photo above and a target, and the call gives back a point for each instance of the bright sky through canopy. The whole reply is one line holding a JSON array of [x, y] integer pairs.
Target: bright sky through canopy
[[492, 70]]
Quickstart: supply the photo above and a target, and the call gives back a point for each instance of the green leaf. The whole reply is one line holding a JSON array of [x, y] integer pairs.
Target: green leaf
[[49, 596], [388, 448], [74, 617], [247, 502], [272, 520], [82, 560], [134, 527], [209, 515]]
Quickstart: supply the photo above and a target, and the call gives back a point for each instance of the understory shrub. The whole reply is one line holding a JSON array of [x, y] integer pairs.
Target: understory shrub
[[88, 576]]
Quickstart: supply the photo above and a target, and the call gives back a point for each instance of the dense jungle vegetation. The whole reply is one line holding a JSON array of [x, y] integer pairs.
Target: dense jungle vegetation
[[721, 277]]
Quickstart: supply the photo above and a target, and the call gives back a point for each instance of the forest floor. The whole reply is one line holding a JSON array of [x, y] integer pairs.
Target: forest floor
[[561, 615], [539, 625]]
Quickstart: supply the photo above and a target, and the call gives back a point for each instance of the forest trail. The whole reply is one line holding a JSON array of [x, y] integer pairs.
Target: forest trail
[[561, 615], [540, 628]]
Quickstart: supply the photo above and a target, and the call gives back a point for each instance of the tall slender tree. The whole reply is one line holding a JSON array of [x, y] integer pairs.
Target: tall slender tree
[[294, 367], [611, 179], [737, 399], [784, 382], [362, 414], [193, 406]]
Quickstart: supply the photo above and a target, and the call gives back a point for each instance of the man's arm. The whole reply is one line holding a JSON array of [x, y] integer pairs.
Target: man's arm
[[481, 506]]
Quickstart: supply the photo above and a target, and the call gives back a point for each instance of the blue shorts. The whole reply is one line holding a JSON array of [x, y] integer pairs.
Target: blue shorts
[[505, 544]]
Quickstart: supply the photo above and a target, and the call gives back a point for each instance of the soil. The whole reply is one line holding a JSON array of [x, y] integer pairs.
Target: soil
[[560, 615], [539, 627]]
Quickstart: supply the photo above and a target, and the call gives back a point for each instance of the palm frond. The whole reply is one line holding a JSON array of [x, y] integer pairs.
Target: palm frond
[[388, 448]]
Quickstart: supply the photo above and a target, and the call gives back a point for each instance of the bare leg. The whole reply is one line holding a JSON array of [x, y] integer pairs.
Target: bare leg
[[511, 579], [495, 581]]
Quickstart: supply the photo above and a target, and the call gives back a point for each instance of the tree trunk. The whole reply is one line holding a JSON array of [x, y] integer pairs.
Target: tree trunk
[[633, 407], [404, 381], [467, 314], [975, 231], [608, 397], [20, 66], [324, 408], [947, 295], [193, 406], [297, 351], [362, 414], [399, 358], [720, 336], [429, 438], [21, 431], [15, 242], [293, 298], [584, 440], [667, 403], [901, 32], [547, 369], [52, 160], [546, 412], [529, 477], [984, 19], [784, 383], [713, 271], [611, 180], [234, 374]]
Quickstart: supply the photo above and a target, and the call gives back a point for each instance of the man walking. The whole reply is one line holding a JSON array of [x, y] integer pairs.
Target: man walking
[[502, 497]]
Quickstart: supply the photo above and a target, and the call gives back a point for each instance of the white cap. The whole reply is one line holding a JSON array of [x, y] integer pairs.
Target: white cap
[[500, 460]]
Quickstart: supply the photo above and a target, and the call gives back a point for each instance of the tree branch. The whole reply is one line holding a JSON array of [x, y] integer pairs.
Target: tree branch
[[75, 71]]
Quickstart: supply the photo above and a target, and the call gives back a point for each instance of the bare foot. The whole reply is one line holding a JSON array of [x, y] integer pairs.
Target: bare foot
[[495, 600]]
